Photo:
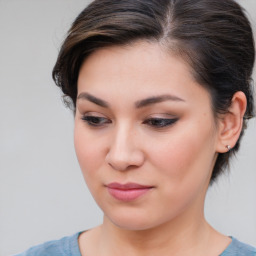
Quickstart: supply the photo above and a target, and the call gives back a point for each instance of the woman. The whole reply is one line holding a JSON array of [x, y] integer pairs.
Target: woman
[[161, 92]]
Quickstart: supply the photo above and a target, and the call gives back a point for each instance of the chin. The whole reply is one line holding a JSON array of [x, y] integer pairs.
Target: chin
[[132, 221], [133, 226]]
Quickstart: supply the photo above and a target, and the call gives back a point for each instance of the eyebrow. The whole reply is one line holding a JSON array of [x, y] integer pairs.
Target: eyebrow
[[157, 99], [93, 99], [138, 104]]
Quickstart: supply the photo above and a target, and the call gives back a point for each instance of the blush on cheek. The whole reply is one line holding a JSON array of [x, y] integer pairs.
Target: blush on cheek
[[83, 150], [184, 154], [88, 151], [84, 156], [174, 154]]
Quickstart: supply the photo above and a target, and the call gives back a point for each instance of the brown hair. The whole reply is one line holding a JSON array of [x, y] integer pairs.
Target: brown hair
[[214, 36]]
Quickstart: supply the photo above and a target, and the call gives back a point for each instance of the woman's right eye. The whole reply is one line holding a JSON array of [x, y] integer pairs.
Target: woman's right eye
[[95, 121]]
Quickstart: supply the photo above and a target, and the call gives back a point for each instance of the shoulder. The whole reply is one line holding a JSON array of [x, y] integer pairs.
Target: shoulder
[[67, 246], [237, 248]]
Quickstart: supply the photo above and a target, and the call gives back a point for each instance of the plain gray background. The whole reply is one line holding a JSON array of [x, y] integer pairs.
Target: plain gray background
[[42, 192]]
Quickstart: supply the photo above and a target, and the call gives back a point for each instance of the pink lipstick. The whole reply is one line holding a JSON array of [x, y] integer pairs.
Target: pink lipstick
[[127, 192]]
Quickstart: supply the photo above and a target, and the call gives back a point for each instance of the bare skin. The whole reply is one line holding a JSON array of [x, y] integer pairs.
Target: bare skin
[[139, 243], [173, 155]]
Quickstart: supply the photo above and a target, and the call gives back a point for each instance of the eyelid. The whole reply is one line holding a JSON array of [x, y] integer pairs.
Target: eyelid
[[156, 121], [161, 116], [93, 113], [95, 120], [160, 123]]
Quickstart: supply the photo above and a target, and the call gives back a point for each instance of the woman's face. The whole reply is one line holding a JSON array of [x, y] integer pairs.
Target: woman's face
[[145, 136]]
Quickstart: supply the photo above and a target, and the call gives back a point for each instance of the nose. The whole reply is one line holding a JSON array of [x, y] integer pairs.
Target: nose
[[124, 152]]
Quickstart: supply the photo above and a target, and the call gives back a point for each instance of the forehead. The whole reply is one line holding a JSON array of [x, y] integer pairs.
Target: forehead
[[140, 69]]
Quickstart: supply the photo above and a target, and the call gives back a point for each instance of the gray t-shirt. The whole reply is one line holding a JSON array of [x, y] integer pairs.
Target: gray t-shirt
[[68, 246]]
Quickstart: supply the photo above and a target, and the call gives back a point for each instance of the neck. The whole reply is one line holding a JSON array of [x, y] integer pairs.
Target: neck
[[186, 234], [178, 237]]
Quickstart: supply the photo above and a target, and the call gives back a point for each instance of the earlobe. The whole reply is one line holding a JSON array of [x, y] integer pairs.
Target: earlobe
[[231, 123]]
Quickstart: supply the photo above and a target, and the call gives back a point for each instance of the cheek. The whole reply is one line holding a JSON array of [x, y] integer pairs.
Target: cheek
[[88, 150], [184, 164], [186, 156]]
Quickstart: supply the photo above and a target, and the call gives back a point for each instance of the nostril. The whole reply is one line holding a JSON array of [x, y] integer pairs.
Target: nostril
[[122, 162], [117, 164]]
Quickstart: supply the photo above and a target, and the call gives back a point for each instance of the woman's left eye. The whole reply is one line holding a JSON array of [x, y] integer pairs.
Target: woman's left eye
[[160, 122]]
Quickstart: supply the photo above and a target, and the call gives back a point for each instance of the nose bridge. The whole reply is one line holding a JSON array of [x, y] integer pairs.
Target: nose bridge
[[124, 150], [124, 136]]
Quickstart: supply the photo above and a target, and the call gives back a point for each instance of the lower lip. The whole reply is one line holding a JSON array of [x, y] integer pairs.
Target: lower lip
[[127, 195]]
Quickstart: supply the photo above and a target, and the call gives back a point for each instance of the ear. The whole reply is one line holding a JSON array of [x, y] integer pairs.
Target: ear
[[230, 124]]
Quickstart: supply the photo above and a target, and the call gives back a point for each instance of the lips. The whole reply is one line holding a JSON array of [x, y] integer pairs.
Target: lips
[[127, 192]]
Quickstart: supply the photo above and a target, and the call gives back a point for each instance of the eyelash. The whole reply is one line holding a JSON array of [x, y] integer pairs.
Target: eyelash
[[97, 121], [160, 122]]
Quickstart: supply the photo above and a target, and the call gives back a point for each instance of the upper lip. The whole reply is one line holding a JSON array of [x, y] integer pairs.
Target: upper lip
[[127, 186]]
